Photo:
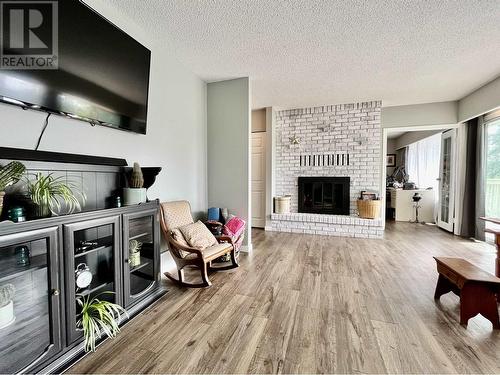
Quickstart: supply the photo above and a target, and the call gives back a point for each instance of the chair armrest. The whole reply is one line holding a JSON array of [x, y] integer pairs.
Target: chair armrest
[[222, 239], [178, 246]]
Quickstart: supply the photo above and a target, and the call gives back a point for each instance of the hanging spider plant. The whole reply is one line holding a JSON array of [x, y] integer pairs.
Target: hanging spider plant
[[49, 193], [98, 318]]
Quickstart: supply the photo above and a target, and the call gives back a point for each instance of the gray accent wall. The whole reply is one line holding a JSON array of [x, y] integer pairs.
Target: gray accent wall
[[228, 138]]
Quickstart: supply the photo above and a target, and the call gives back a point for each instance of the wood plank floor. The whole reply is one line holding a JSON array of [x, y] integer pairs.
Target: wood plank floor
[[314, 304]]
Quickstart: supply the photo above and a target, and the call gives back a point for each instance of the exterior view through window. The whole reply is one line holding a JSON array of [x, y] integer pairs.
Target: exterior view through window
[[492, 203]]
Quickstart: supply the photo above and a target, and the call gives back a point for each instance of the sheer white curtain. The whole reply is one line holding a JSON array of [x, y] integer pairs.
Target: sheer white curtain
[[422, 162]]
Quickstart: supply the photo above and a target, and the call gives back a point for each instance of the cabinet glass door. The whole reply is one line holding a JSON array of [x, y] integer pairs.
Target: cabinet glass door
[[92, 248], [29, 300], [141, 239]]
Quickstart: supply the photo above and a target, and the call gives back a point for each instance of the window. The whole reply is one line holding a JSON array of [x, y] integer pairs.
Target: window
[[492, 196], [422, 162]]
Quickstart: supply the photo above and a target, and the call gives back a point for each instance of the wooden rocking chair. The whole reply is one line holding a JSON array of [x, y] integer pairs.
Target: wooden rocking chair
[[175, 215]]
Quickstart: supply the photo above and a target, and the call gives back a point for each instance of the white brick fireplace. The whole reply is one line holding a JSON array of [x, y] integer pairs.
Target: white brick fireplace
[[329, 141]]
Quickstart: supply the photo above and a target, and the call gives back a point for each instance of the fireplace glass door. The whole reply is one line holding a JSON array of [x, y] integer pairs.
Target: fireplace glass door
[[324, 195]]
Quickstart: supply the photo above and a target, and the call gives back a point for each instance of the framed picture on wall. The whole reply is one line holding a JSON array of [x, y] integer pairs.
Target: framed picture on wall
[[391, 160]]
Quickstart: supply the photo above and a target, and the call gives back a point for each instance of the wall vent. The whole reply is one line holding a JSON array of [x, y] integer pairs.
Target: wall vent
[[325, 160]]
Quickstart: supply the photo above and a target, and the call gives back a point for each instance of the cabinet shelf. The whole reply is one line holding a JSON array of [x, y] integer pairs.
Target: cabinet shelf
[[11, 269], [93, 251], [139, 236], [144, 263], [94, 287], [102, 243]]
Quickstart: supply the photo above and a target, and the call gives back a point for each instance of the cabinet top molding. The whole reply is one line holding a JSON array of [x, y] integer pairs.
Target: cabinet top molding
[[58, 157]]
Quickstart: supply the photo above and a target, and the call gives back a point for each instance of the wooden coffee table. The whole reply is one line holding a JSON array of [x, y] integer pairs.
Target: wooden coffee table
[[476, 288]]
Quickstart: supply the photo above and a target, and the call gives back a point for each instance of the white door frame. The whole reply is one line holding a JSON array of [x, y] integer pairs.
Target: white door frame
[[449, 224], [385, 132], [259, 222]]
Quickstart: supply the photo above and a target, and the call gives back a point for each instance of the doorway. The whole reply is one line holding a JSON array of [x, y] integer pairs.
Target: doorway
[[419, 174]]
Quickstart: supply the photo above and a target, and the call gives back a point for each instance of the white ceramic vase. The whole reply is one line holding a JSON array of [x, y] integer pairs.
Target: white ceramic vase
[[7, 315], [133, 196]]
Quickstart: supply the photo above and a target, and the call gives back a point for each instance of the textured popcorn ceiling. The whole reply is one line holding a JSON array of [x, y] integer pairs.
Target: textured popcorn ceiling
[[304, 52]]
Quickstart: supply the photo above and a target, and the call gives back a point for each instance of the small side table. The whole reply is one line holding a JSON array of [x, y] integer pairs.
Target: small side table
[[496, 232]]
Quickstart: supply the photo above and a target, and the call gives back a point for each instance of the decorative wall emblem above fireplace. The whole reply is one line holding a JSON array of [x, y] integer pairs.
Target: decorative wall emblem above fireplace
[[324, 195], [325, 160]]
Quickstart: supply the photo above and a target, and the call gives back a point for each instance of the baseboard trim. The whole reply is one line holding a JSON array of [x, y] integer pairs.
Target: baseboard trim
[[247, 248]]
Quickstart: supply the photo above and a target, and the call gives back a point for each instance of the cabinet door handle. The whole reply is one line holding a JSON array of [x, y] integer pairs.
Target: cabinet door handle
[[55, 292], [126, 261]]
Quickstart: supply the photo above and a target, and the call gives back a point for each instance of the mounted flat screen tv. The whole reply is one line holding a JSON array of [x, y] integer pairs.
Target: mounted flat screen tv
[[102, 75]]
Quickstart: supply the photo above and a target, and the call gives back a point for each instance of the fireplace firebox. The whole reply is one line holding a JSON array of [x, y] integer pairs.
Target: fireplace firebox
[[324, 195]]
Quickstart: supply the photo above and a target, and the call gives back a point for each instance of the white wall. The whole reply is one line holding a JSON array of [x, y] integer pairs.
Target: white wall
[[443, 113], [484, 99], [228, 139], [412, 137], [391, 149], [259, 120], [176, 134]]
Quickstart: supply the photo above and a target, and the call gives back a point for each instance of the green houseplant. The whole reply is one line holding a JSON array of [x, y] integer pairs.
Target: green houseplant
[[97, 318], [9, 175], [48, 193]]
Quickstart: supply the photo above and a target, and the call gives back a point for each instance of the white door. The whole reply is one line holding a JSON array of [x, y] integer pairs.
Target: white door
[[446, 203], [259, 180]]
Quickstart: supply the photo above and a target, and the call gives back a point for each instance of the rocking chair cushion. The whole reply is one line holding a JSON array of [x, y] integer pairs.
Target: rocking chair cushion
[[198, 236], [177, 235], [216, 251]]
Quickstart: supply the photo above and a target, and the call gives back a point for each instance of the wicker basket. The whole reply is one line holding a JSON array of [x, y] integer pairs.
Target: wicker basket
[[282, 204], [369, 209]]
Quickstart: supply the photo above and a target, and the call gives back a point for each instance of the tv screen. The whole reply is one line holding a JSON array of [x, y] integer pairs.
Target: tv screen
[[102, 75]]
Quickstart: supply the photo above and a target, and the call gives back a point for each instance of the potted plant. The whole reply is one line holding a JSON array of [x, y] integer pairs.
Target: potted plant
[[98, 317], [48, 193], [135, 193], [134, 253], [6, 305], [9, 175]]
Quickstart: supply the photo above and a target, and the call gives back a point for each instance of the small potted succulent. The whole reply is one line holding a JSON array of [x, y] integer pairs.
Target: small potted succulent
[[6, 305], [135, 193], [9, 175], [49, 193], [98, 317], [134, 249]]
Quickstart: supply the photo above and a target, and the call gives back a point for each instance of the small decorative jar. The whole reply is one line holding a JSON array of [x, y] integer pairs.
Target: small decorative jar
[[17, 215], [23, 255]]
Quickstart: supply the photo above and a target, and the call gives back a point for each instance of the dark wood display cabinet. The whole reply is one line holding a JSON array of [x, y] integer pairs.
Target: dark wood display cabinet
[[140, 267], [30, 333], [94, 245], [40, 260]]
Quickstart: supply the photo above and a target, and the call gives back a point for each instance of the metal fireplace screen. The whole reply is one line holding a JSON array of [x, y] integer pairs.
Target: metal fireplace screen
[[324, 195]]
